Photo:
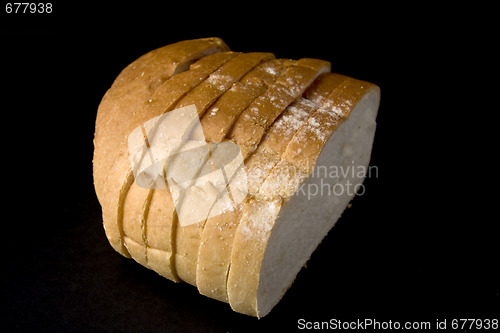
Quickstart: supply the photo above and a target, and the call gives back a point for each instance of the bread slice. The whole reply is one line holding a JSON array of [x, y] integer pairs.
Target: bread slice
[[217, 236], [134, 223], [345, 139], [133, 86], [160, 234], [120, 177]]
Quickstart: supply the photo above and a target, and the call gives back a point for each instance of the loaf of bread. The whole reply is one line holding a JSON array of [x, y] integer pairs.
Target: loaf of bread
[[215, 167]]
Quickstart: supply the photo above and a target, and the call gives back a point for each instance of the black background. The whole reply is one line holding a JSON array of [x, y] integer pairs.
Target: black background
[[419, 245]]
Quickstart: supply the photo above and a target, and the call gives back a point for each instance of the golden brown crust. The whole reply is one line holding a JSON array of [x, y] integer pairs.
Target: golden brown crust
[[160, 233], [134, 223], [112, 204]]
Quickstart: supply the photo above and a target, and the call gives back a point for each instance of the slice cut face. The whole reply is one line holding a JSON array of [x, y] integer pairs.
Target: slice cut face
[[355, 129], [159, 234], [112, 204], [134, 224]]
